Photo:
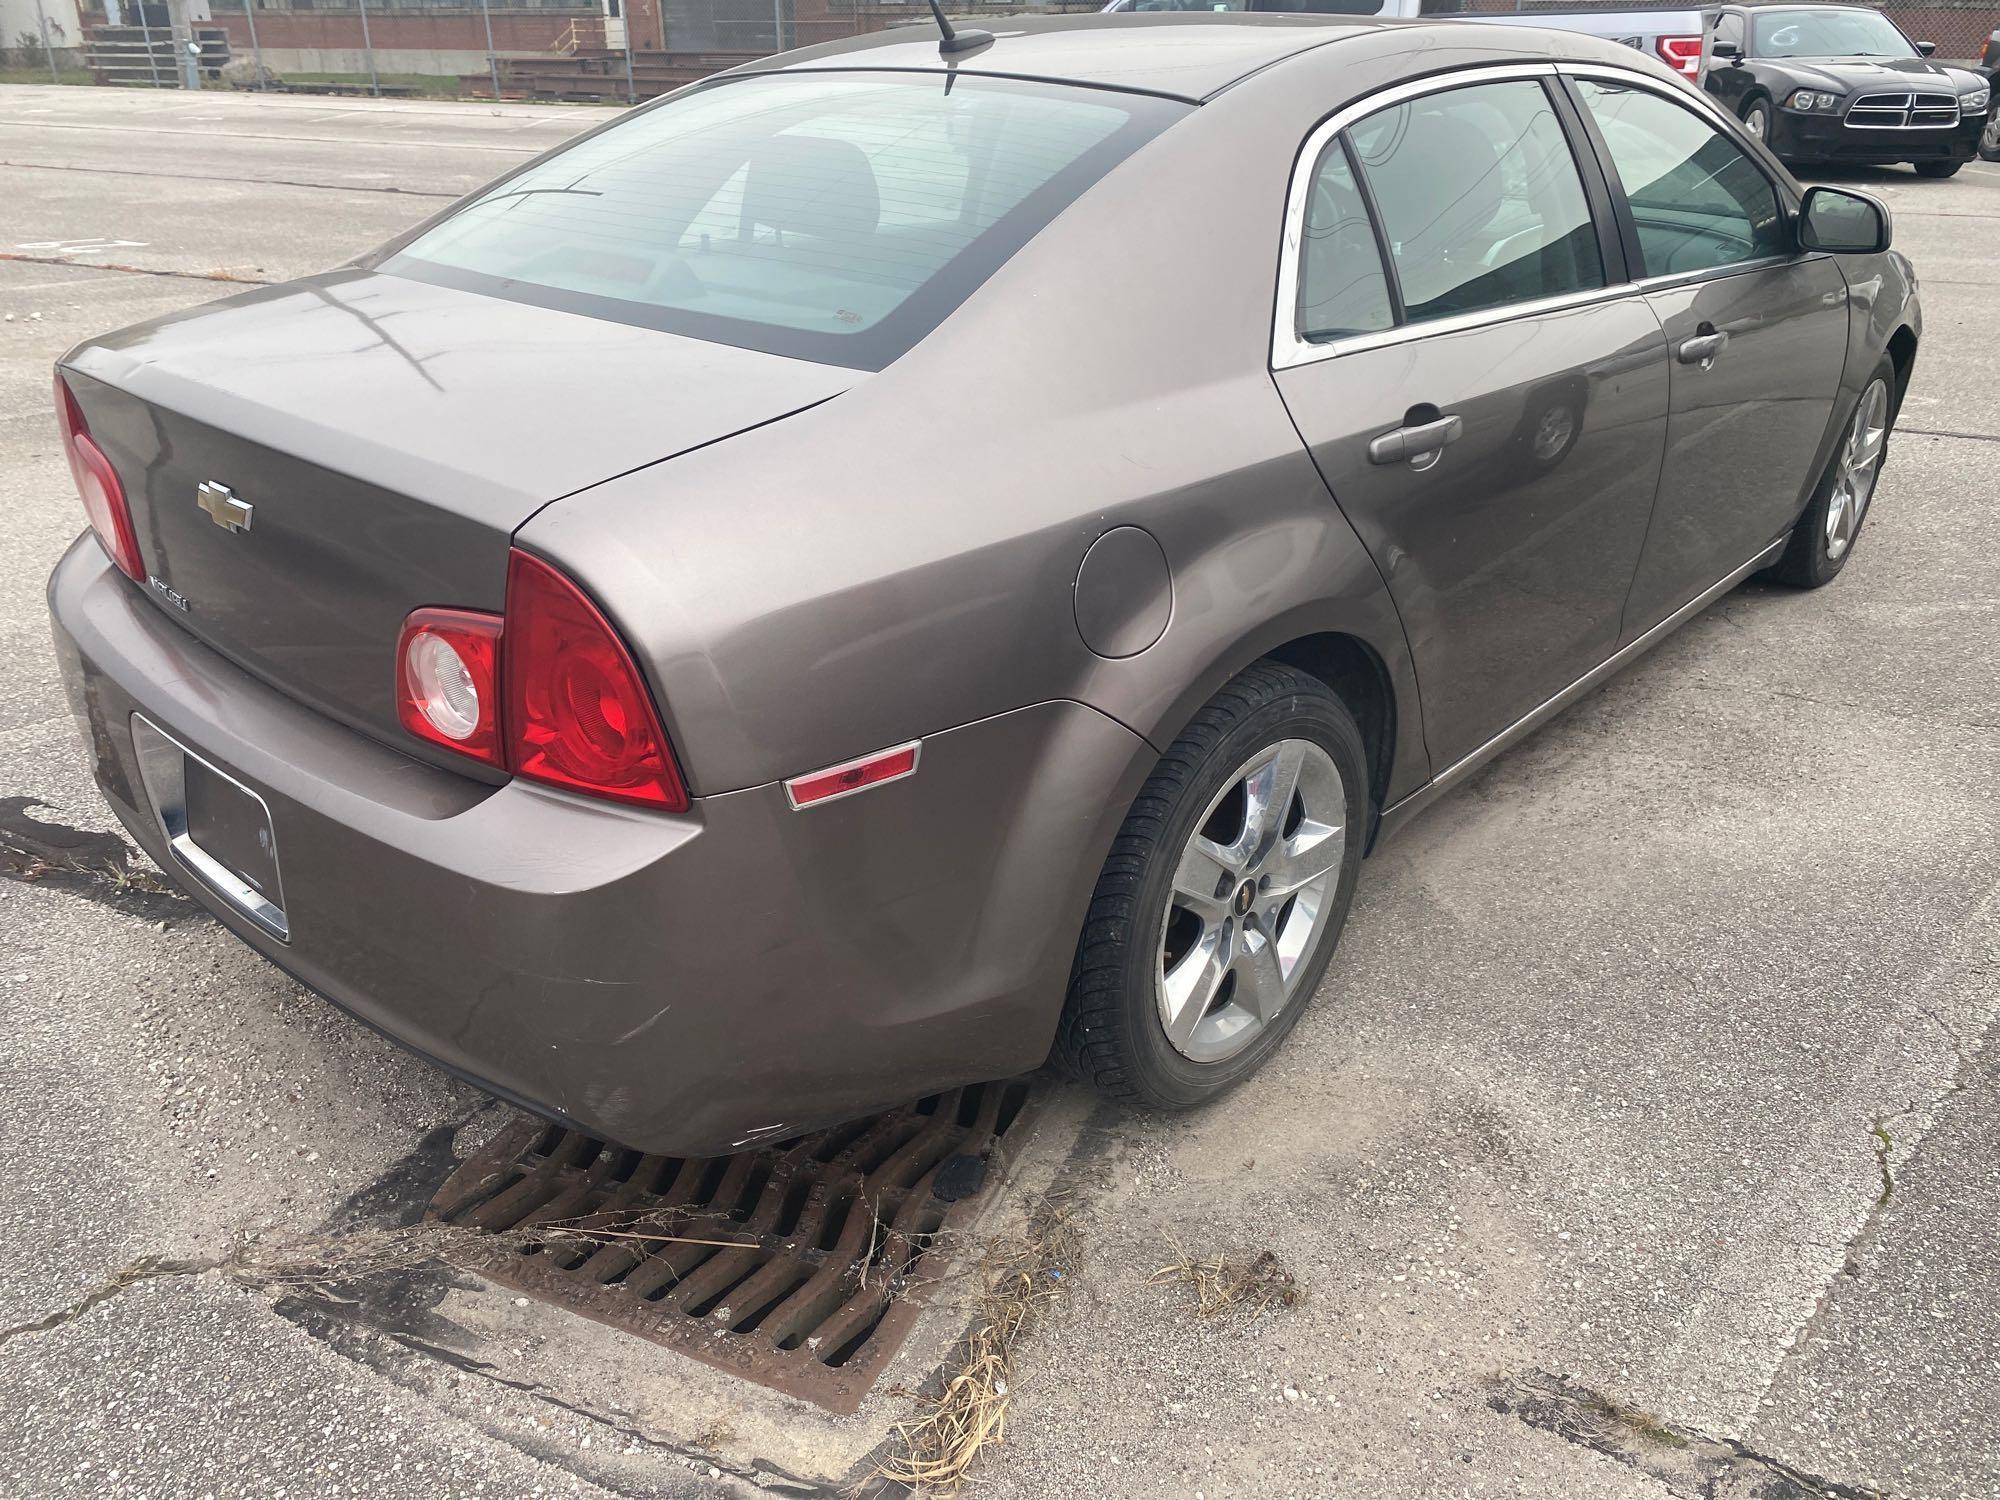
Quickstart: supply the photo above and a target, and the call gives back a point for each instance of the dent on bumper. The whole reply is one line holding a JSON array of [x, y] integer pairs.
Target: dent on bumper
[[672, 983]]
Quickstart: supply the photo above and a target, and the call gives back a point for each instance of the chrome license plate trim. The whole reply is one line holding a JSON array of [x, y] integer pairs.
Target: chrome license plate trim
[[163, 768]]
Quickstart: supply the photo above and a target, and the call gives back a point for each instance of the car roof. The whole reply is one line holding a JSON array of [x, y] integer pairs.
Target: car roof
[[1186, 55], [1790, 5]]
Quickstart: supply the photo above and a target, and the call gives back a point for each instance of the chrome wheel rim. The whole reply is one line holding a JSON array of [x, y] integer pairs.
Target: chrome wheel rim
[[1854, 474], [1251, 898], [1754, 122]]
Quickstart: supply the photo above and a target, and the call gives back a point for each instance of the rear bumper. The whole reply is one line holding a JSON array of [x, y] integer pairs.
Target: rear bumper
[[1828, 138], [675, 984]]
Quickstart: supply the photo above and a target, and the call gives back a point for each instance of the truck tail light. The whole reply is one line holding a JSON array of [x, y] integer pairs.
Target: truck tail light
[[546, 691], [1681, 53], [97, 482]]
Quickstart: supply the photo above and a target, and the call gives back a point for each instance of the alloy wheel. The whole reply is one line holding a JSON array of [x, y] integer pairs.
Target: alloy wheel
[[1757, 121], [1859, 462], [1554, 433], [1250, 898], [1989, 139]]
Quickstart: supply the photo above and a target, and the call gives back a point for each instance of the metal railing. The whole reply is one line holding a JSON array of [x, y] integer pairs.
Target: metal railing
[[148, 56]]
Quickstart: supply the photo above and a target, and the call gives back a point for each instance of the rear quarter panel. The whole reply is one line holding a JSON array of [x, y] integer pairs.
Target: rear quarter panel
[[902, 558]]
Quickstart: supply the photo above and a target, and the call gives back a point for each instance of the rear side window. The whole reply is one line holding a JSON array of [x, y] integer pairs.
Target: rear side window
[[1342, 289], [829, 216], [1479, 199], [1697, 201]]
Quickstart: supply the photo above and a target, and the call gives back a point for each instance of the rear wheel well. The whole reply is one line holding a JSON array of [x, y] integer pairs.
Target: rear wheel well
[[1357, 676], [1902, 354]]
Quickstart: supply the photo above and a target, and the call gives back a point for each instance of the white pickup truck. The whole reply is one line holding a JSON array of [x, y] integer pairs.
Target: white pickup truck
[[1673, 36]]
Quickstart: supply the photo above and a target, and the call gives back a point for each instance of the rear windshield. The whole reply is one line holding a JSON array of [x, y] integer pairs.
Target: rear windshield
[[834, 216]]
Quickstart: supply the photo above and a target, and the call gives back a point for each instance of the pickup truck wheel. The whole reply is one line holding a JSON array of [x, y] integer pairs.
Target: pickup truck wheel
[[1757, 118], [1989, 140], [1223, 896], [1824, 538], [1937, 168]]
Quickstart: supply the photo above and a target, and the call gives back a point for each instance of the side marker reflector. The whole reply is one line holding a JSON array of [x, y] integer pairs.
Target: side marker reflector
[[853, 776]]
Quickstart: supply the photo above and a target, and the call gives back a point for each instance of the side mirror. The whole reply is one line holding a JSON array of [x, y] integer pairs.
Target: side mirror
[[1843, 222], [1926, 48], [1726, 50]]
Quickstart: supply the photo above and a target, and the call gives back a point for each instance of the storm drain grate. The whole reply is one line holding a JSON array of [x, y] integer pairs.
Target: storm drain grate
[[795, 1264]]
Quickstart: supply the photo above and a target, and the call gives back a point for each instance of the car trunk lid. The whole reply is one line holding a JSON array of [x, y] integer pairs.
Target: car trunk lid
[[387, 437]]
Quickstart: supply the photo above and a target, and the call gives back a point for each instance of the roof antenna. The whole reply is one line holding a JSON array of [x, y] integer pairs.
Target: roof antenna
[[957, 41]]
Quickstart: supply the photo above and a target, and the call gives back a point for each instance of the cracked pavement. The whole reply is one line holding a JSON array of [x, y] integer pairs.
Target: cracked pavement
[[1576, 1154]]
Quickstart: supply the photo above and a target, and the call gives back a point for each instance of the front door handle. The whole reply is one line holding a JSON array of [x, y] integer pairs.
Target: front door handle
[[1422, 440], [1702, 348]]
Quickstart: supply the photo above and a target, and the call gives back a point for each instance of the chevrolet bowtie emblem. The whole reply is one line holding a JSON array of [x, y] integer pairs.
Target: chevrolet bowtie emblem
[[222, 506]]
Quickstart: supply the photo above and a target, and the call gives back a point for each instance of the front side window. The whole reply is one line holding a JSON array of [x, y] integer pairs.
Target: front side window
[[1729, 29], [1480, 200], [1697, 200], [836, 216], [1827, 33]]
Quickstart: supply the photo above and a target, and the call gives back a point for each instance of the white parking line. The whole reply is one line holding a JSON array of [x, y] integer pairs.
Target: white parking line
[[96, 245]]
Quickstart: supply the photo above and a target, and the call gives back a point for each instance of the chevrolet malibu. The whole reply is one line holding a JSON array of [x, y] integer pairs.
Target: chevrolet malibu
[[905, 559]]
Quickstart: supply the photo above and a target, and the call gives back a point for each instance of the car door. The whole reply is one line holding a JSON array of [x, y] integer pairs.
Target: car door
[[1485, 401], [1726, 77], [1757, 331]]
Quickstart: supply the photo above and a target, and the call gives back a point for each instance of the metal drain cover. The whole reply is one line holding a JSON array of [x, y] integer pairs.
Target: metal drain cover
[[794, 1264]]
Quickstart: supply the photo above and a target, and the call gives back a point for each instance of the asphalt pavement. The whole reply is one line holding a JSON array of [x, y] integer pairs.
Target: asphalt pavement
[[1644, 1139]]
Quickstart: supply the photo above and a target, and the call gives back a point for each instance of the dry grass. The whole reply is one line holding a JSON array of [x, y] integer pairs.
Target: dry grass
[[291, 1260], [288, 1261], [1231, 1284], [1022, 1276]]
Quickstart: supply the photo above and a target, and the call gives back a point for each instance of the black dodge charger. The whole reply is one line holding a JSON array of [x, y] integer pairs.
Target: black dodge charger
[[1839, 83]]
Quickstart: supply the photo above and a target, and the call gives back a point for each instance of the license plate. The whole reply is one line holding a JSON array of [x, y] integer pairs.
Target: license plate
[[216, 827]]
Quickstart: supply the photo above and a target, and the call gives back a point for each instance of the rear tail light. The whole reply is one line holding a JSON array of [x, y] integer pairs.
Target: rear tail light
[[1681, 53], [448, 680], [548, 692], [97, 482], [578, 714]]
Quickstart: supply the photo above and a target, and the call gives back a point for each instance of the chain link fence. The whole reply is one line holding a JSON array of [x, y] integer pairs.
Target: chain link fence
[[1958, 27], [632, 49]]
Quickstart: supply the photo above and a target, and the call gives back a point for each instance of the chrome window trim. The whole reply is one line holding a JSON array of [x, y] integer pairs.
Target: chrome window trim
[[1718, 273], [1290, 349]]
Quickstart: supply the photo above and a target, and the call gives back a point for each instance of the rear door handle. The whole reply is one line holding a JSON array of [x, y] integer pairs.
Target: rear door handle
[[1700, 349], [1415, 442]]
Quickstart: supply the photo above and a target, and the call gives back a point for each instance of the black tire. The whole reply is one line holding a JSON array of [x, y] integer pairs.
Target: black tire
[[1808, 562], [1937, 168], [1989, 139], [1111, 1034]]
